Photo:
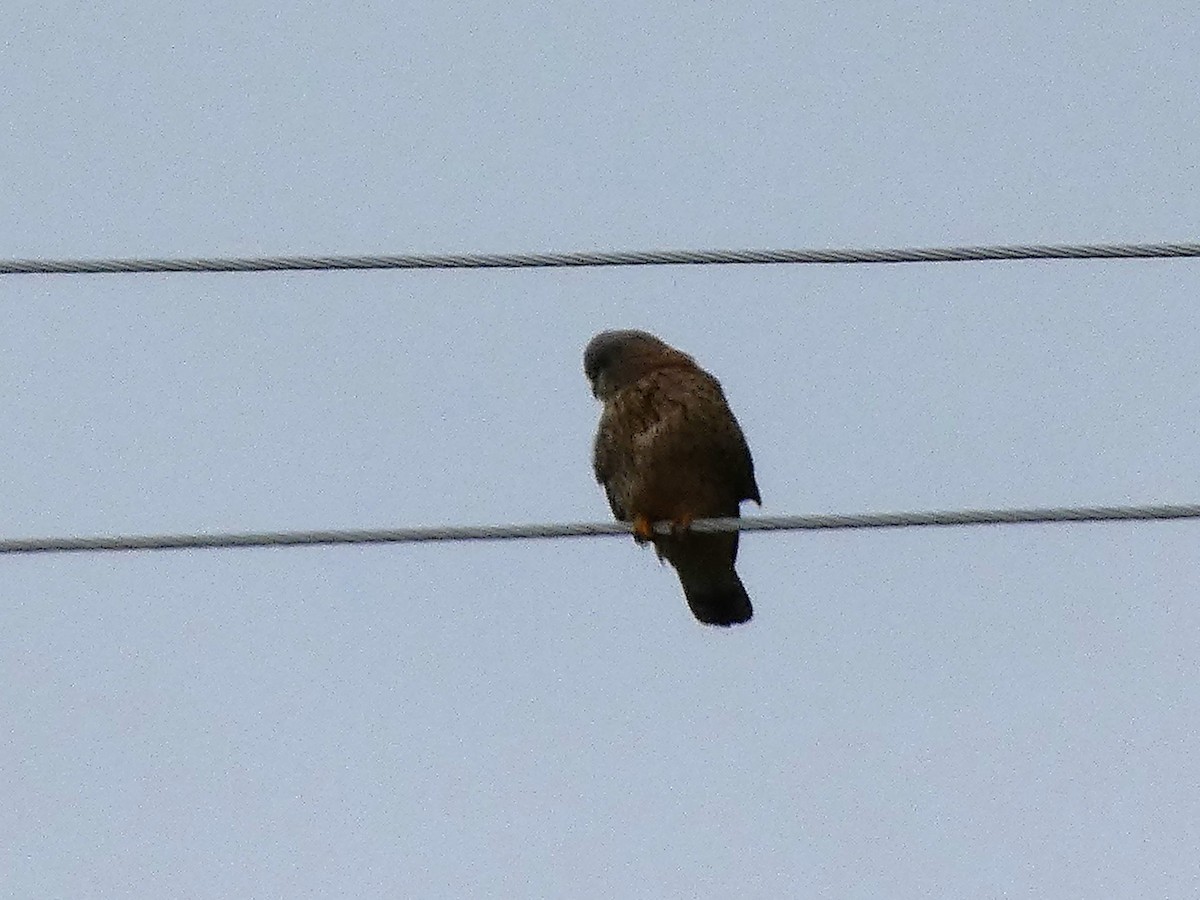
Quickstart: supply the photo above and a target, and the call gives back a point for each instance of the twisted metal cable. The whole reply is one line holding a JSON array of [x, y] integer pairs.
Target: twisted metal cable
[[629, 258], [594, 529]]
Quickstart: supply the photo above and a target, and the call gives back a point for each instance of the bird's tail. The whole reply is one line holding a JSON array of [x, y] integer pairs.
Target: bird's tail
[[726, 603], [710, 583]]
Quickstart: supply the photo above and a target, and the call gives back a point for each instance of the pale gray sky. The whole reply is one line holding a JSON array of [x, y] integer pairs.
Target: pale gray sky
[[954, 713]]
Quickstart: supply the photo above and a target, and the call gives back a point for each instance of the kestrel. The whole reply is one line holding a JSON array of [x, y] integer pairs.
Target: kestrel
[[669, 448]]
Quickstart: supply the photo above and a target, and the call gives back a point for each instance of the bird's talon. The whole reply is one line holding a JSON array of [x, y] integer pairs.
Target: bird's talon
[[643, 529], [682, 524]]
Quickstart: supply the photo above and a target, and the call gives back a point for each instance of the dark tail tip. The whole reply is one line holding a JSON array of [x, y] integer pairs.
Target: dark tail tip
[[728, 604]]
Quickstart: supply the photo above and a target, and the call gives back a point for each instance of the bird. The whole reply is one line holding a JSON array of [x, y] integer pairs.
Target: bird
[[668, 448]]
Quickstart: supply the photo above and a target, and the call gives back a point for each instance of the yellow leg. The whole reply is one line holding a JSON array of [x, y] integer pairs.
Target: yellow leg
[[682, 523], [643, 529]]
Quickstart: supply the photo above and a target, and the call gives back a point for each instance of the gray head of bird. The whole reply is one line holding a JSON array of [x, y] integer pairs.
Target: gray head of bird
[[616, 359]]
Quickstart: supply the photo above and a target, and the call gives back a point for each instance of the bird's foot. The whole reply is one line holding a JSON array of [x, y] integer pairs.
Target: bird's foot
[[680, 524], [643, 529]]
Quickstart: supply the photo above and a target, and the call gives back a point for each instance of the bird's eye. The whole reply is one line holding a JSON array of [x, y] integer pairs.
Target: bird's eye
[[598, 363]]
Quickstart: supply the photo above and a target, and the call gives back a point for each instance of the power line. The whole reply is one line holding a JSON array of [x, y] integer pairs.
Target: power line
[[625, 258], [596, 529]]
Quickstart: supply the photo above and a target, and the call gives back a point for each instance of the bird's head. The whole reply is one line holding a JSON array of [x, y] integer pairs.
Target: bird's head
[[616, 359]]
